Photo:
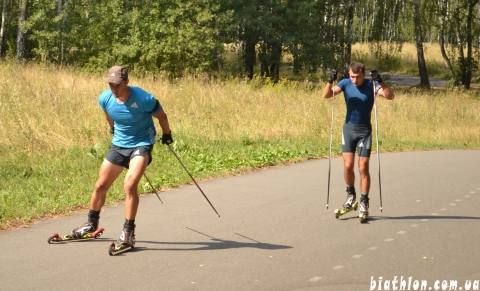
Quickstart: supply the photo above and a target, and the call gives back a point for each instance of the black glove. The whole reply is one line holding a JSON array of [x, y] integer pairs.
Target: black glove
[[112, 130], [167, 138], [376, 76], [333, 76]]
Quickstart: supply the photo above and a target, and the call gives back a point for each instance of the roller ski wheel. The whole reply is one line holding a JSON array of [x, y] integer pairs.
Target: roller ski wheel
[[55, 238], [114, 249], [363, 217], [340, 212]]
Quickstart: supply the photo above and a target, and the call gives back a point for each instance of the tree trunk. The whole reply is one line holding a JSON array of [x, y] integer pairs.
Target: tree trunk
[[277, 56], [296, 61], [461, 55], [422, 67], [61, 7], [2, 29], [64, 23], [22, 6], [467, 77], [264, 72], [249, 58], [348, 46], [441, 37], [60, 32]]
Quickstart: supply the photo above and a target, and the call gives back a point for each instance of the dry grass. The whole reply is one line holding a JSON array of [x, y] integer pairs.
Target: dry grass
[[403, 62], [43, 109], [442, 118]]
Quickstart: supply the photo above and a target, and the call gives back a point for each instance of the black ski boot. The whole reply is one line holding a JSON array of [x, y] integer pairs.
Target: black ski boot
[[85, 230], [125, 242]]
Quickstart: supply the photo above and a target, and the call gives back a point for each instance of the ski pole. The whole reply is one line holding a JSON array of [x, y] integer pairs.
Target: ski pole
[[378, 148], [185, 168], [331, 137], [155, 191]]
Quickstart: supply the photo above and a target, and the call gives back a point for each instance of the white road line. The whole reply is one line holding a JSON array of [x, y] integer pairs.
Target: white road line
[[315, 279], [337, 267], [357, 256], [401, 232], [425, 219], [443, 209], [413, 225], [388, 239], [434, 213]]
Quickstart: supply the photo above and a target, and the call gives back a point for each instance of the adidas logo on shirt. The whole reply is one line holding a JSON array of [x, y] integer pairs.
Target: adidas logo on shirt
[[134, 105]]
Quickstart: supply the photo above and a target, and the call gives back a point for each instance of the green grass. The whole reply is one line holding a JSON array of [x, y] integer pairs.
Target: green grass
[[64, 180]]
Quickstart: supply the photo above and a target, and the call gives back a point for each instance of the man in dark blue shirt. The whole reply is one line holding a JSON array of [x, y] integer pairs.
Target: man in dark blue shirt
[[357, 130]]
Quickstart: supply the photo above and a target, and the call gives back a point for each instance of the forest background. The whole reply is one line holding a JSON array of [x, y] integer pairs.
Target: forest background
[[175, 37], [240, 80]]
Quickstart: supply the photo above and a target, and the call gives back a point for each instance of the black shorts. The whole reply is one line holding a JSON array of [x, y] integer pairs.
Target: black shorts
[[121, 156], [357, 137]]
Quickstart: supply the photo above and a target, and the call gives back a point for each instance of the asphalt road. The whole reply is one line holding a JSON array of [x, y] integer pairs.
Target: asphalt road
[[275, 233], [413, 81]]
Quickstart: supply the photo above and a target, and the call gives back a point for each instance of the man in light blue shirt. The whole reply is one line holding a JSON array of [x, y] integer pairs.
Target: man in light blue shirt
[[129, 111]]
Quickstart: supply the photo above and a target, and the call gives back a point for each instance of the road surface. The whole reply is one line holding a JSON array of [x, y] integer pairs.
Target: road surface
[[413, 81], [275, 233]]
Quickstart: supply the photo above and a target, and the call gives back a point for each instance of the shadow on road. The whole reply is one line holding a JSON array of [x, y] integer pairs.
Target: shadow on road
[[213, 244], [430, 217]]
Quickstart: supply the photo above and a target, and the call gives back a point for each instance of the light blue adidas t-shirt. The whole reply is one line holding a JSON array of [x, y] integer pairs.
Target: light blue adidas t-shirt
[[133, 119]]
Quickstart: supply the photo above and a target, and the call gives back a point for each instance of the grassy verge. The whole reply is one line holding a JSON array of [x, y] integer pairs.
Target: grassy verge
[[60, 182], [53, 136]]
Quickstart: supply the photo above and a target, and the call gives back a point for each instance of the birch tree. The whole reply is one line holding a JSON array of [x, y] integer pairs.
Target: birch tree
[[22, 6], [2, 26]]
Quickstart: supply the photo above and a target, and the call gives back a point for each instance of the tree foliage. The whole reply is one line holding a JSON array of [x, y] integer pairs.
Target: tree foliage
[[174, 37]]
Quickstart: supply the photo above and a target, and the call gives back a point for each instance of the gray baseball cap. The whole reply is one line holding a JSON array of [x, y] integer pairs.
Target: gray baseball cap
[[117, 74]]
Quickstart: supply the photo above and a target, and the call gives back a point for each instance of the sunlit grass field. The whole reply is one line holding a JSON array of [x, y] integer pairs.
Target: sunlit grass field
[[403, 62], [53, 135]]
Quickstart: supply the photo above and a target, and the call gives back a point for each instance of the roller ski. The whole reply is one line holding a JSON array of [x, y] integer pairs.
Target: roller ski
[[88, 230], [349, 205], [363, 212], [340, 212], [125, 243]]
